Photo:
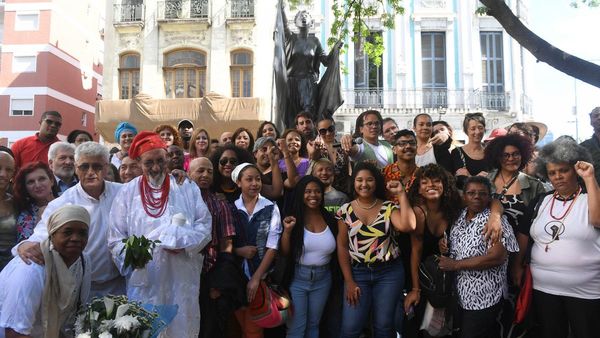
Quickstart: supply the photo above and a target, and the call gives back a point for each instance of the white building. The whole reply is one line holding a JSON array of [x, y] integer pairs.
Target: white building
[[442, 58]]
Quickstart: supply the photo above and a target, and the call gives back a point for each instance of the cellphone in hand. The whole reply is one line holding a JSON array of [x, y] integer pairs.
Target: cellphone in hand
[[411, 313]]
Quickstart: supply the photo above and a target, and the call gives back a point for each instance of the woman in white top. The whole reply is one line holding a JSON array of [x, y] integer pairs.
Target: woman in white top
[[565, 256], [308, 242], [37, 301]]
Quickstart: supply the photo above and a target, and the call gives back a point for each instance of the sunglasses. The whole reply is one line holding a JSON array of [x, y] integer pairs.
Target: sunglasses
[[96, 167], [231, 160], [51, 122], [324, 131]]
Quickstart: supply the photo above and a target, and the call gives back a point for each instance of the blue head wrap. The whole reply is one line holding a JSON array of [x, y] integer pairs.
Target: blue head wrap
[[124, 126]]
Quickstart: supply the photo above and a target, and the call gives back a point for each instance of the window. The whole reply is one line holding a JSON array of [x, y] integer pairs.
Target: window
[[24, 63], [368, 78], [241, 74], [491, 62], [129, 76], [492, 96], [27, 22], [21, 107], [185, 73], [433, 54]]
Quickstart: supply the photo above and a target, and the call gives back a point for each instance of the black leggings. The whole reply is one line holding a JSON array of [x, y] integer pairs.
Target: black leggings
[[555, 314]]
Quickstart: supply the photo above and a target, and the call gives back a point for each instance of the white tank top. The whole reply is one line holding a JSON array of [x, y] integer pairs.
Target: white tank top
[[318, 247], [425, 159]]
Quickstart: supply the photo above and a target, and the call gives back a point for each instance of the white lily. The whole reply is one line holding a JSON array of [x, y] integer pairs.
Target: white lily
[[105, 335], [121, 310], [125, 324], [109, 305], [85, 335]]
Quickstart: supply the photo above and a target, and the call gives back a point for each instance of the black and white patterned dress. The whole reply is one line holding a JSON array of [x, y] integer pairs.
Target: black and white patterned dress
[[479, 289]]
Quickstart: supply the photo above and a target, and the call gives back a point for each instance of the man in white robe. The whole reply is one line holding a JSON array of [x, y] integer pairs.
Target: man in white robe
[[145, 207], [96, 195]]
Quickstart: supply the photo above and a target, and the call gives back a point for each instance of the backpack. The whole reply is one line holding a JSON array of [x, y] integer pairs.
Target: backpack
[[436, 285]]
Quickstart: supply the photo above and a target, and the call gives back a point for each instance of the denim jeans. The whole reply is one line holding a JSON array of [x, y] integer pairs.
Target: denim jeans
[[380, 287], [309, 290]]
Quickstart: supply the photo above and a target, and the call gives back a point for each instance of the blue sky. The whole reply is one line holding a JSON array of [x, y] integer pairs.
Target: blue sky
[[575, 31]]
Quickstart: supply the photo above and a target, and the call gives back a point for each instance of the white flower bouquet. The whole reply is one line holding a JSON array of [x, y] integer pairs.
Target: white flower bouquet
[[117, 317]]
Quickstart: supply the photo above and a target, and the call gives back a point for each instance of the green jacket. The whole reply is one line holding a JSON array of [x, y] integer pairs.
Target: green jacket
[[530, 186]]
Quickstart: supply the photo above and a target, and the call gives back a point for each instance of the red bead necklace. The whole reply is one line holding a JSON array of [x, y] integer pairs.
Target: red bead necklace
[[575, 195], [154, 207]]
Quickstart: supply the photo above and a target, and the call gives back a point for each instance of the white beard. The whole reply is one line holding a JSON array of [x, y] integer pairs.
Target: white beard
[[157, 181]]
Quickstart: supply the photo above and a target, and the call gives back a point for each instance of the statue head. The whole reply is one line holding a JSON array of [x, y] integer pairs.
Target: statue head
[[303, 19]]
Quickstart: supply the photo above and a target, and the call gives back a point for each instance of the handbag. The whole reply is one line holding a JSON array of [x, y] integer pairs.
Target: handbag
[[525, 297], [436, 284], [270, 307]]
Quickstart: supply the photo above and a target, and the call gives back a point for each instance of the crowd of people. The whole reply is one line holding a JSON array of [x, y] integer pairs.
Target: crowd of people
[[347, 227]]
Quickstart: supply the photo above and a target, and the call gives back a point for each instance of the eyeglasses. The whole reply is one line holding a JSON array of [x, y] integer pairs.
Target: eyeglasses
[[96, 167], [231, 160], [403, 144], [477, 193], [516, 155], [52, 122], [324, 131], [372, 124]]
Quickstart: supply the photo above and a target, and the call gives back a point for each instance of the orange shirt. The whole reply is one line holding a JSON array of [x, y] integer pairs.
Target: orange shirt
[[392, 172]]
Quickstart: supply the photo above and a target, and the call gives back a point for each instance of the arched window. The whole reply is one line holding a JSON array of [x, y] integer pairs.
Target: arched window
[[129, 75], [185, 73], [241, 73]]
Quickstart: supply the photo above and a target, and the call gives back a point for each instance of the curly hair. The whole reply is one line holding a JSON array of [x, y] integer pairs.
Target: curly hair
[[259, 132], [379, 181], [238, 131], [176, 137], [192, 149], [241, 154], [563, 150], [494, 151], [450, 201], [303, 152], [21, 196]]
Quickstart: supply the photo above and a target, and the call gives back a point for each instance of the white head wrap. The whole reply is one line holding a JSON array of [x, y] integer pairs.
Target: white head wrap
[[236, 172]]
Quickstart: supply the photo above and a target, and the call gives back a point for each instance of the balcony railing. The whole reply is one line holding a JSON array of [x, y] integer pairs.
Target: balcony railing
[[182, 9], [433, 3], [124, 13], [241, 9], [425, 98]]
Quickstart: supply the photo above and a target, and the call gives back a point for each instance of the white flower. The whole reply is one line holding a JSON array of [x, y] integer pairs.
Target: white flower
[[85, 335], [105, 335], [109, 304], [94, 316], [121, 310], [106, 325], [125, 324]]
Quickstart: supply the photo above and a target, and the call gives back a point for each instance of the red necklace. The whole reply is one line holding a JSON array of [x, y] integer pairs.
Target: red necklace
[[575, 195], [154, 207]]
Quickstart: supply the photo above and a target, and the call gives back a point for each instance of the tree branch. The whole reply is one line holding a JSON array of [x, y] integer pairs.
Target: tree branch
[[581, 69]]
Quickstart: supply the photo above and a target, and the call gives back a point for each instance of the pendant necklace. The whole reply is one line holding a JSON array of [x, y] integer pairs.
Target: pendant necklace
[[557, 225]]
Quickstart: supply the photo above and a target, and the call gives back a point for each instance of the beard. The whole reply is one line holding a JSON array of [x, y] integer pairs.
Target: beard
[[156, 180], [63, 173]]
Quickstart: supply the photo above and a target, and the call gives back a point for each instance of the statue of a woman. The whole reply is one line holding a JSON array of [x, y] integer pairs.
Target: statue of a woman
[[304, 55]]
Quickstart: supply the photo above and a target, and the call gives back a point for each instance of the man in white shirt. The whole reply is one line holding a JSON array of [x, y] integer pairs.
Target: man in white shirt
[[96, 195], [155, 206]]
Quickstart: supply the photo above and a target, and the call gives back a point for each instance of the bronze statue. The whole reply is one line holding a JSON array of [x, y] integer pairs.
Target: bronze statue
[[303, 57]]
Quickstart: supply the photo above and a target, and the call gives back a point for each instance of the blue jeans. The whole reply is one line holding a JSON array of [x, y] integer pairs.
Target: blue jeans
[[380, 288], [309, 291]]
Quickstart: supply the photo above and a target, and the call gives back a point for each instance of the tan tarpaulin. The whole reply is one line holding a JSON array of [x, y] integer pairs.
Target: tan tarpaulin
[[215, 113]]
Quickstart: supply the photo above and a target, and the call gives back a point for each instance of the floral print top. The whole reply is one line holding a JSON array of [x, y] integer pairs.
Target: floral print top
[[26, 222], [370, 243]]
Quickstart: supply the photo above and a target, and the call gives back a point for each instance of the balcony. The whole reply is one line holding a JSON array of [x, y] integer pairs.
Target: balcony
[[128, 15], [241, 14], [362, 98], [182, 10], [435, 4]]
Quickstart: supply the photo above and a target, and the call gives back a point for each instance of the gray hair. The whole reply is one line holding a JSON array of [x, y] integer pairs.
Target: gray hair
[[563, 150], [58, 146], [91, 149]]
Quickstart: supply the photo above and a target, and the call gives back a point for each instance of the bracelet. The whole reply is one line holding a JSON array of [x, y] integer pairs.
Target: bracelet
[[415, 289]]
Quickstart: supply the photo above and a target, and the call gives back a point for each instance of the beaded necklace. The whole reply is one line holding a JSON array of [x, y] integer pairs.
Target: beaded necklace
[[154, 207]]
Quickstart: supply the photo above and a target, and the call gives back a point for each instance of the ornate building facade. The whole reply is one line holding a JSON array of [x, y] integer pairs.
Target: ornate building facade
[[441, 58]]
